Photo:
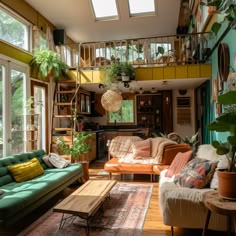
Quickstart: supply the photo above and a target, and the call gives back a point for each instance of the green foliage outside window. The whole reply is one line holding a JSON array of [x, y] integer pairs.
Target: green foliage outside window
[[13, 30], [125, 114]]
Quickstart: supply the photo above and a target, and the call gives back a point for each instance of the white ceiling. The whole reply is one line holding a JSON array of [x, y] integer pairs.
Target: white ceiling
[[76, 18], [156, 84]]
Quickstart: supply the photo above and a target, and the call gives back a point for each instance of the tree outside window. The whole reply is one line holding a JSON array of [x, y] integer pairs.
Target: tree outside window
[[125, 114]]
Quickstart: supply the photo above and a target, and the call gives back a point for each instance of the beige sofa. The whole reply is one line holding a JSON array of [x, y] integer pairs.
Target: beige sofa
[[183, 207], [121, 159]]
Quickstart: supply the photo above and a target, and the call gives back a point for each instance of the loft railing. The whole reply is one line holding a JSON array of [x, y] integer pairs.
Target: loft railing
[[153, 51]]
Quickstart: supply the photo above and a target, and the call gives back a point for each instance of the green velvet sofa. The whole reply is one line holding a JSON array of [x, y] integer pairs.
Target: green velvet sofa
[[19, 199]]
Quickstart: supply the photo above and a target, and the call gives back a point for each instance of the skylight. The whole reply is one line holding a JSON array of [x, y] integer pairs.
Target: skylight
[[105, 9], [141, 7]]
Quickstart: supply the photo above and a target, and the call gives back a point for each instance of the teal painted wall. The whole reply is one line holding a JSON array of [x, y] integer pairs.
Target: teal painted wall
[[230, 40]]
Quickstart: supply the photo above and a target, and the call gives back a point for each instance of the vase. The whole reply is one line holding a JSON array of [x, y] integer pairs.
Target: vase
[[226, 186], [85, 177]]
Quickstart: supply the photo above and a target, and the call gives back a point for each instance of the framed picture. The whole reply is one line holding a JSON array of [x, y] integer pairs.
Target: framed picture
[[220, 83], [214, 89]]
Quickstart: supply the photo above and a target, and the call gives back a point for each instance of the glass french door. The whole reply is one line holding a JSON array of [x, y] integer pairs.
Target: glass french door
[[13, 87], [39, 91]]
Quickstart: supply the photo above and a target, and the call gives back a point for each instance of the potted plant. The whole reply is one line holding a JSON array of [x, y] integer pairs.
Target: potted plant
[[47, 63], [192, 141], [226, 122], [80, 146], [227, 9], [127, 71]]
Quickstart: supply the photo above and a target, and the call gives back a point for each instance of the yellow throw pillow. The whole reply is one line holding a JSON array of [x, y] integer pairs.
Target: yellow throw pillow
[[26, 170]]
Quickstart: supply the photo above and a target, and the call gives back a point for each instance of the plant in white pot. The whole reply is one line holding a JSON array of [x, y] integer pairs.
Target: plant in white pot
[[226, 122], [127, 72]]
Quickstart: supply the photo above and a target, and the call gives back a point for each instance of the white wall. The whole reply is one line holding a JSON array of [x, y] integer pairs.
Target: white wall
[[184, 129]]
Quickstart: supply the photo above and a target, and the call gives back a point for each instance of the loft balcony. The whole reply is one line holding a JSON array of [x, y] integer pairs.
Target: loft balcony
[[154, 58], [153, 51]]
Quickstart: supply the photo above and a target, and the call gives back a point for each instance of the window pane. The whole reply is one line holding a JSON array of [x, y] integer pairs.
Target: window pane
[[40, 109], [141, 6], [1, 118], [13, 30], [17, 111], [125, 114], [105, 9]]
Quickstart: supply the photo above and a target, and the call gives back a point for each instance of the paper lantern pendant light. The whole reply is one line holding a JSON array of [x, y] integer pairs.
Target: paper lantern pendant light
[[111, 100]]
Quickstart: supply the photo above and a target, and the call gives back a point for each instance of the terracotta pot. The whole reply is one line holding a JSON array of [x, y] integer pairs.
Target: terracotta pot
[[227, 182], [85, 177]]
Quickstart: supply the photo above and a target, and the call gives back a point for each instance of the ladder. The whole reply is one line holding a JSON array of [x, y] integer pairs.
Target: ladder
[[64, 111]]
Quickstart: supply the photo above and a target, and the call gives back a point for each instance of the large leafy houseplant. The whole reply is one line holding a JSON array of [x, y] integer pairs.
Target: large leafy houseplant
[[226, 122], [48, 62], [117, 69], [227, 10], [79, 146]]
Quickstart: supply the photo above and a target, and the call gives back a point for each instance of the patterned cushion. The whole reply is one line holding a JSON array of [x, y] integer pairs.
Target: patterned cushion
[[180, 160], [196, 174], [26, 170], [141, 149]]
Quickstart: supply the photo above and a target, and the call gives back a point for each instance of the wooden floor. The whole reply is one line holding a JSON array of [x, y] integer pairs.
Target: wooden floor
[[153, 223]]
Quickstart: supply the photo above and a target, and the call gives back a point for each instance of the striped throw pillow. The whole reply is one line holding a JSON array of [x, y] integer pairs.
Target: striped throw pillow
[[180, 160]]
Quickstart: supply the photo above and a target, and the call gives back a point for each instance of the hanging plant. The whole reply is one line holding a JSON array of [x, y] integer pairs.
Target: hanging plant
[[227, 11], [48, 63]]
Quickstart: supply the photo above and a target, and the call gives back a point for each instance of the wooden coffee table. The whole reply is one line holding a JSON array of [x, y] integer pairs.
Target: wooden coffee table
[[85, 201]]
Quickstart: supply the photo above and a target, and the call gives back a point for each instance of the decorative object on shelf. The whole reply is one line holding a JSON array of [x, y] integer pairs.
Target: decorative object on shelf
[[48, 63], [226, 123], [111, 100]]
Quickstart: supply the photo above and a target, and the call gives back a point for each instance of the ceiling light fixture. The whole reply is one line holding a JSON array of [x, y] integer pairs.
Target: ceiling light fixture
[[140, 90], [153, 90], [164, 83]]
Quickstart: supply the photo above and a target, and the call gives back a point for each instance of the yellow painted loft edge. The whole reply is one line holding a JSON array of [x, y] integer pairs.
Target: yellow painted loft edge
[[176, 72], [15, 53]]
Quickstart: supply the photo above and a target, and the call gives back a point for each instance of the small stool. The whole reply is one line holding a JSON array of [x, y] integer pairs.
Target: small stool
[[215, 203]]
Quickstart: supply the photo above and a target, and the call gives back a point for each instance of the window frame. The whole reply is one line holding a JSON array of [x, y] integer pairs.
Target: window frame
[[125, 97], [148, 13], [104, 18], [28, 25]]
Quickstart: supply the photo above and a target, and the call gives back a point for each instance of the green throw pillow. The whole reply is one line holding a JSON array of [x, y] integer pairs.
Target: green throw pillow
[[26, 170]]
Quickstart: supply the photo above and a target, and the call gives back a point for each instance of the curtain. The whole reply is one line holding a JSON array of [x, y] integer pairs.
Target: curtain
[[207, 113]]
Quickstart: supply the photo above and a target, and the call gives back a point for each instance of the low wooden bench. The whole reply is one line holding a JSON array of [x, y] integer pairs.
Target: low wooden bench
[[85, 201]]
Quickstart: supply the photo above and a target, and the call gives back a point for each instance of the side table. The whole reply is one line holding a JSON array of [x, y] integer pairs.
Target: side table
[[215, 203]]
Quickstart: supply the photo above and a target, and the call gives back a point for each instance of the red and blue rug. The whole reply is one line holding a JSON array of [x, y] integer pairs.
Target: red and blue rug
[[123, 214]]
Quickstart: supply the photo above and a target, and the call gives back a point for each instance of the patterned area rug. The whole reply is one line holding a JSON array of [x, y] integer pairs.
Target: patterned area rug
[[123, 214]]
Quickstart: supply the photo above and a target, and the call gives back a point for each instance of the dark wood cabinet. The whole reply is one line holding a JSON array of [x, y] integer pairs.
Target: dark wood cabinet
[[149, 108], [154, 111]]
